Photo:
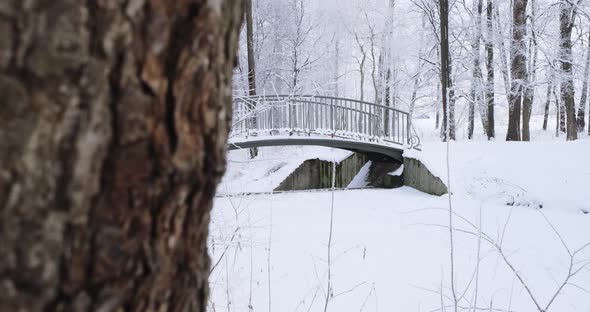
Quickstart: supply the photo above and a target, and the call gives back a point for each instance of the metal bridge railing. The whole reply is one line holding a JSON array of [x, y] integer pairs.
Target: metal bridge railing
[[322, 115]]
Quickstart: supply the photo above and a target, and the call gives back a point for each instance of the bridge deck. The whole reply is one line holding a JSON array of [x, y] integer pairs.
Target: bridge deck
[[342, 143]]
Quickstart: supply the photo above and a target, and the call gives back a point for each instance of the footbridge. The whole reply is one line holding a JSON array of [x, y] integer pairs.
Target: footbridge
[[358, 126]]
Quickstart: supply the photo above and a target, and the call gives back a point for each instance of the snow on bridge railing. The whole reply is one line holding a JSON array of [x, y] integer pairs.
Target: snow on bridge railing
[[324, 116]]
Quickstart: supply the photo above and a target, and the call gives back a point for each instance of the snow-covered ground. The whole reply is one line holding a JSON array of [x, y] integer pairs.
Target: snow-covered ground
[[390, 248]]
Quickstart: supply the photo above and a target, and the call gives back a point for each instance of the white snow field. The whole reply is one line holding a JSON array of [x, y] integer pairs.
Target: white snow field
[[390, 248]]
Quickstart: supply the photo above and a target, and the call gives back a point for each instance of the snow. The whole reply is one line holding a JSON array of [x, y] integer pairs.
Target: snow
[[398, 172], [390, 253], [550, 173], [391, 248], [360, 180]]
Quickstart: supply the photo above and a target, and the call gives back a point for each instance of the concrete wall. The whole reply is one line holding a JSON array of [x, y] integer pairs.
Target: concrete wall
[[317, 174], [417, 176]]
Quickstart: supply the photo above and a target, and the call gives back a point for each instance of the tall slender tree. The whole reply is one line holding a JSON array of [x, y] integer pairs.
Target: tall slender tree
[[113, 132], [531, 76], [584, 97], [251, 66], [490, 94], [476, 79], [448, 132], [517, 68], [504, 67], [387, 56], [547, 101], [568, 11], [361, 63]]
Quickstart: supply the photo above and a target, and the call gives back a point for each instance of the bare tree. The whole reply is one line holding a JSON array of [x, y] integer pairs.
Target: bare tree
[[299, 37], [584, 98], [476, 81], [251, 66], [547, 102], [375, 66], [529, 92], [504, 67], [517, 68], [568, 11], [445, 74], [112, 143], [560, 113], [386, 59], [489, 45], [361, 63]]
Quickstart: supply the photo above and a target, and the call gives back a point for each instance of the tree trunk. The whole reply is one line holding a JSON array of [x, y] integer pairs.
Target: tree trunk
[[113, 130], [448, 132], [437, 106], [561, 110], [504, 68], [566, 24], [476, 70], [529, 92], [491, 131], [374, 67], [414, 96], [559, 114], [337, 67], [547, 103], [517, 68], [582, 108], [251, 67], [361, 65]]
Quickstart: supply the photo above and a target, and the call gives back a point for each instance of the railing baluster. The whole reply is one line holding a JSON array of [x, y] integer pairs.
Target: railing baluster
[[370, 122], [331, 115]]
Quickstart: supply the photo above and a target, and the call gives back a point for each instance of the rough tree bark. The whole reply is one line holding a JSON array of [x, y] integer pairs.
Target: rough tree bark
[[566, 24], [476, 80], [251, 66], [517, 68], [448, 124], [584, 97], [361, 64], [113, 130], [531, 76], [504, 68], [387, 57], [489, 45], [437, 106], [547, 101], [561, 111]]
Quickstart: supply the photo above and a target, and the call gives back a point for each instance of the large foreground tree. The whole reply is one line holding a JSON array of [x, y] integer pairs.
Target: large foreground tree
[[114, 118]]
